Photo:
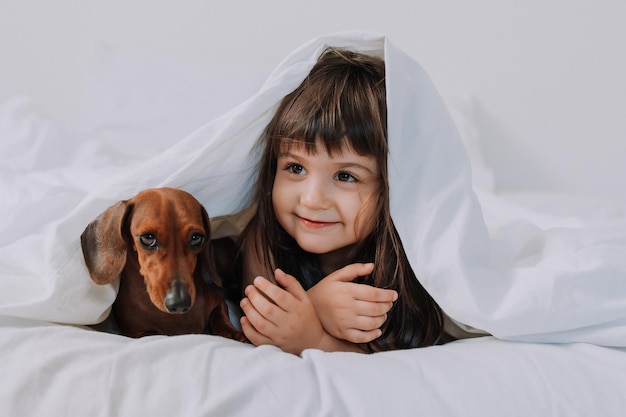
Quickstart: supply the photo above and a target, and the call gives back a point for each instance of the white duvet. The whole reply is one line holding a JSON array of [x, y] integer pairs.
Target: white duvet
[[523, 274]]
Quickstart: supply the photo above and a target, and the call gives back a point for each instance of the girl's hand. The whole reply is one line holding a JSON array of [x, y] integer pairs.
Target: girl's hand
[[281, 317], [350, 311]]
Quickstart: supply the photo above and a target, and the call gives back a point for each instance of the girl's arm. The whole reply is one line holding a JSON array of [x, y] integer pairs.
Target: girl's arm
[[265, 322], [350, 311], [285, 317]]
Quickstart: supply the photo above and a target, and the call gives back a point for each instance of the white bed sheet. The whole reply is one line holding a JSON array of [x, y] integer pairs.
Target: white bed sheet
[[65, 371], [49, 172]]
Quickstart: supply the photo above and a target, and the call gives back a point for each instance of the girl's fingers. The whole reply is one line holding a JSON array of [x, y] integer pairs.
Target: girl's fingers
[[351, 272], [373, 294], [371, 309], [363, 291], [362, 323], [260, 311], [359, 336], [367, 324], [290, 283], [273, 292], [252, 334]]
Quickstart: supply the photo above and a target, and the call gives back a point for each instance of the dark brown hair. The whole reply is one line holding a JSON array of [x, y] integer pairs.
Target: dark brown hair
[[342, 103]]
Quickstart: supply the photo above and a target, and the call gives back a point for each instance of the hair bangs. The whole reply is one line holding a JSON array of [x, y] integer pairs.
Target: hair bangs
[[342, 104]]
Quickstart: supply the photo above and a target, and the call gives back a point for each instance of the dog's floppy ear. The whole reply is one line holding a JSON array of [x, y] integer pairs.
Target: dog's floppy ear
[[103, 244], [207, 256]]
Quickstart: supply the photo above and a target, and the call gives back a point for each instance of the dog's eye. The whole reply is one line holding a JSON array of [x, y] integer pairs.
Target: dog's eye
[[148, 240], [197, 240]]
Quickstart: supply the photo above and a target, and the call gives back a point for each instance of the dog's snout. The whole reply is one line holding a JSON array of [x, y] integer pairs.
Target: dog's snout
[[178, 299]]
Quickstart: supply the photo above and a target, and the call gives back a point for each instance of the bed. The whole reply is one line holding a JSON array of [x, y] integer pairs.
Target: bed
[[556, 321]]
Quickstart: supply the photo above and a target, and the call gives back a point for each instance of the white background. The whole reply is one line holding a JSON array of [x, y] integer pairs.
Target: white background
[[544, 82]]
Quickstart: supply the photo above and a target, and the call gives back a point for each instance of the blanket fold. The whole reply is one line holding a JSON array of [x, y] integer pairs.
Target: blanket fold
[[562, 285]]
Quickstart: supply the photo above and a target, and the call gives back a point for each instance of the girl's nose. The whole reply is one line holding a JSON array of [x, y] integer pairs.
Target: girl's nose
[[315, 195]]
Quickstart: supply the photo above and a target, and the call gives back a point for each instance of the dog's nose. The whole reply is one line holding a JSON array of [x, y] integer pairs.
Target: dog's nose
[[177, 299]]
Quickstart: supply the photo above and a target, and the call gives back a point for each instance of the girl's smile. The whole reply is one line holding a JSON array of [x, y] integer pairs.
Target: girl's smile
[[325, 201], [316, 224]]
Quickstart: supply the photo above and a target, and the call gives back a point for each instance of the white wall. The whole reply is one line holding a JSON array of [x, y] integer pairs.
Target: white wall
[[545, 78]]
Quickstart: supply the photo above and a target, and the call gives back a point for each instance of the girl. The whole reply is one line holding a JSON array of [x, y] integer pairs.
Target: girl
[[322, 226]]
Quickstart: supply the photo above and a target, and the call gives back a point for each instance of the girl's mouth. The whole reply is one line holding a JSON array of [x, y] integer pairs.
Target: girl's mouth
[[314, 224]]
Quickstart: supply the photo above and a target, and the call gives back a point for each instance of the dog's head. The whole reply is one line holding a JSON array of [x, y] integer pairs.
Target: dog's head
[[168, 230]]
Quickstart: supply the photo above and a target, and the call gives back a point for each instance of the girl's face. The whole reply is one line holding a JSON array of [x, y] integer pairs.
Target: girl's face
[[325, 202]]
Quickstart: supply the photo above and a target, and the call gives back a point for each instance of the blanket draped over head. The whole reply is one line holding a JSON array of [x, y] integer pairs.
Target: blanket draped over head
[[552, 296]]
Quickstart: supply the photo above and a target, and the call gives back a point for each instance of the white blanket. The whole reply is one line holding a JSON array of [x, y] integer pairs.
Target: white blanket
[[547, 283], [73, 372], [547, 270]]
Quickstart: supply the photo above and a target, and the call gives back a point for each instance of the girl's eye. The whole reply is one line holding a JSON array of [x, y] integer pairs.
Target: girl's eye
[[197, 240], [148, 240], [296, 169], [346, 177]]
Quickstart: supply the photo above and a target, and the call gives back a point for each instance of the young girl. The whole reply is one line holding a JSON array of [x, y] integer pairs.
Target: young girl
[[322, 227]]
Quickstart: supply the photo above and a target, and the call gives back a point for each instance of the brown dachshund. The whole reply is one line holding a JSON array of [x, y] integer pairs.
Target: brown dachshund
[[158, 243]]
